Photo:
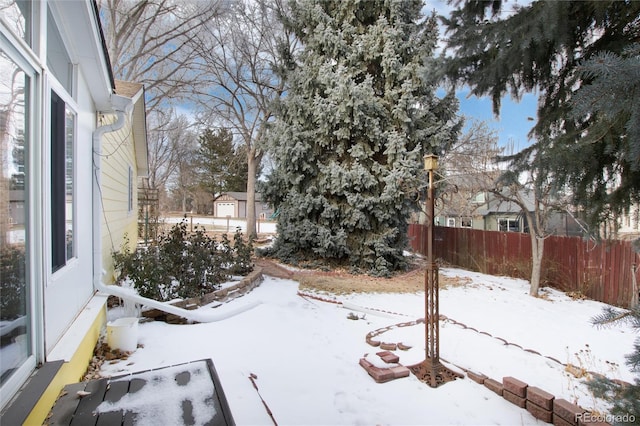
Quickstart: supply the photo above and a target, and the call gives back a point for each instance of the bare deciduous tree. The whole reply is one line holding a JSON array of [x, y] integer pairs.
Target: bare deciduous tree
[[472, 166], [151, 42], [183, 181], [241, 54], [169, 145], [537, 197]]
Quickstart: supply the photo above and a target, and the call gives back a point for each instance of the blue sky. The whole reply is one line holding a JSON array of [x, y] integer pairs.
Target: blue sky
[[514, 122]]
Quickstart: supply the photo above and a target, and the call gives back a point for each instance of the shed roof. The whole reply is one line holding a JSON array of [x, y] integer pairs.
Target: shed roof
[[240, 196], [500, 206]]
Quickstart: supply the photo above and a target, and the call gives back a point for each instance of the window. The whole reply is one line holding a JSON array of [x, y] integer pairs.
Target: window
[[17, 16], [15, 342], [62, 182], [451, 222], [479, 198], [508, 225], [58, 59], [466, 222]]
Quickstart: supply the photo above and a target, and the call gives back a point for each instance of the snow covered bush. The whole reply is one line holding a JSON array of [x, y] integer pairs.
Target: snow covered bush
[[184, 265]]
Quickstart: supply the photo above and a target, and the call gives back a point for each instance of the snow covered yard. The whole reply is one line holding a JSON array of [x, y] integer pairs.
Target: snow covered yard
[[305, 353]]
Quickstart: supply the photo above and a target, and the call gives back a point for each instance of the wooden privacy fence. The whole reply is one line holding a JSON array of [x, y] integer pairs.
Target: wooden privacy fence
[[603, 272]]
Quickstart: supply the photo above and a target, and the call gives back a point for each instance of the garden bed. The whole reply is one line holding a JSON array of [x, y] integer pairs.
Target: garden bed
[[213, 299], [339, 282]]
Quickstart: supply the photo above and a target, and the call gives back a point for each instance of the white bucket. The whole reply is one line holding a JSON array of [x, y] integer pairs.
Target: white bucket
[[122, 334]]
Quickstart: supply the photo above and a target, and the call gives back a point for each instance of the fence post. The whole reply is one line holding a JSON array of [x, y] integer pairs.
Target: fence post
[[634, 287]]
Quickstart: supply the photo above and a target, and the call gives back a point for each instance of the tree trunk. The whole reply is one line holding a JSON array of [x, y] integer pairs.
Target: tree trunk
[[252, 165], [537, 249]]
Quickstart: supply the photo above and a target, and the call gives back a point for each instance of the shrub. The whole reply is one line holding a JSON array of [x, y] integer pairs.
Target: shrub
[[184, 265], [241, 264], [12, 275], [144, 269]]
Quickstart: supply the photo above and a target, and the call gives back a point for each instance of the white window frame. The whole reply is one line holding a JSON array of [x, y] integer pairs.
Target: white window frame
[[22, 55], [70, 103], [508, 222], [73, 67]]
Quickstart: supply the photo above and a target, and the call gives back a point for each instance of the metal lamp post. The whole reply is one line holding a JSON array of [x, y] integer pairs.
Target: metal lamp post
[[431, 371]]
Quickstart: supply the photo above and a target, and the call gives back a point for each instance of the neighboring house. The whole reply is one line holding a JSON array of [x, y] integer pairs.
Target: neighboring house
[[56, 92], [488, 212], [123, 163], [459, 203], [495, 214], [234, 204], [479, 210], [628, 224]]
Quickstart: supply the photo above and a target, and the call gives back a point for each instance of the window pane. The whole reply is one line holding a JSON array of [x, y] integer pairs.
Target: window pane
[[62, 182], [69, 180], [58, 59], [15, 345], [17, 15]]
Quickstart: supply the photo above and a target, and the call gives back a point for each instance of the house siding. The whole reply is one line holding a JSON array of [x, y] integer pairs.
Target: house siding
[[119, 224]]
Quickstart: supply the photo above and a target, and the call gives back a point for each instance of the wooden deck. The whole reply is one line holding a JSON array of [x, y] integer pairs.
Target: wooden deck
[[185, 394]]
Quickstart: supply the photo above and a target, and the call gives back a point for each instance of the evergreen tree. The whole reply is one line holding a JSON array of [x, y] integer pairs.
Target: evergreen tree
[[625, 399], [219, 166], [559, 49], [609, 112], [359, 113]]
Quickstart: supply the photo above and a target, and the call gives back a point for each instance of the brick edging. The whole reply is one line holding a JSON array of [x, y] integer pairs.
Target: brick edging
[[539, 403], [248, 283]]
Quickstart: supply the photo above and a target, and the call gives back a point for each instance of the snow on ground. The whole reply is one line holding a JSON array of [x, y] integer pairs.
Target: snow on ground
[[305, 353], [223, 224]]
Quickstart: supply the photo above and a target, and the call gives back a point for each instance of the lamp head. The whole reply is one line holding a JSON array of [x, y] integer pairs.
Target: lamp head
[[430, 162]]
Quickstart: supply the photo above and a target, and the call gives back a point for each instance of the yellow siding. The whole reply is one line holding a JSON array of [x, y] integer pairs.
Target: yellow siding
[[118, 222], [71, 372]]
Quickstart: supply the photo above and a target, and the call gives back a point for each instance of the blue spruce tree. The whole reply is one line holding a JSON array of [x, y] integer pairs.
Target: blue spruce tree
[[359, 113], [624, 398]]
